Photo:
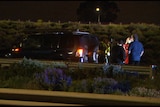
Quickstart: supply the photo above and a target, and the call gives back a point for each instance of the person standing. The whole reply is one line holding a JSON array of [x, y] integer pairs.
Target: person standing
[[126, 46], [104, 51], [135, 51], [107, 52], [118, 53]]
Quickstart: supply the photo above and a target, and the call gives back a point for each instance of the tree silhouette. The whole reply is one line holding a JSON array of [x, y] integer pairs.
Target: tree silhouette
[[87, 11]]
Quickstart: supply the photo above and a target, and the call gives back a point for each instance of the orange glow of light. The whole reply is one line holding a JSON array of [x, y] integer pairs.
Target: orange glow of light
[[79, 52], [16, 50]]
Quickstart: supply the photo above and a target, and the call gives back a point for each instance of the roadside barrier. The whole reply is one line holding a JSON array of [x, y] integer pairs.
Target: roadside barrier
[[26, 97], [143, 70]]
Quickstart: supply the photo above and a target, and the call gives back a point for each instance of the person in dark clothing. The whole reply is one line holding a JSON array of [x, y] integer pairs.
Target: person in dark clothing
[[135, 51], [118, 53]]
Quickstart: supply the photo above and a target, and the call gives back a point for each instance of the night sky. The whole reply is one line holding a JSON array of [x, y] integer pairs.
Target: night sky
[[130, 11]]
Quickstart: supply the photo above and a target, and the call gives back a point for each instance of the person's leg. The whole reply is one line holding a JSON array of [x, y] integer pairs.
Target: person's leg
[[119, 62], [85, 55], [137, 63], [132, 62], [106, 59], [95, 57], [95, 54]]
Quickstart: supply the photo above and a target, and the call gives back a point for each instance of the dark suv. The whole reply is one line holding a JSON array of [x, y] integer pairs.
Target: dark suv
[[58, 45]]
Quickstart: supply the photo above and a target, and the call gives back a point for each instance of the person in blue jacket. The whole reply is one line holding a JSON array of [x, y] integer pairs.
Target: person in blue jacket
[[136, 50]]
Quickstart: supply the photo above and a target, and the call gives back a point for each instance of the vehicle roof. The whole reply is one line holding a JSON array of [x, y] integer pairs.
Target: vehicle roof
[[61, 32], [80, 33]]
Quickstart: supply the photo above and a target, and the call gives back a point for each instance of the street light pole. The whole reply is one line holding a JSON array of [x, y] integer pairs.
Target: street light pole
[[98, 10]]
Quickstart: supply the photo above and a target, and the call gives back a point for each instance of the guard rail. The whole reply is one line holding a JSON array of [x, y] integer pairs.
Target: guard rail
[[145, 70]]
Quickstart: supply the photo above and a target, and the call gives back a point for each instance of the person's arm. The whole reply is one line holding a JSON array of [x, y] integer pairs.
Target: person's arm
[[141, 53], [129, 48], [124, 54], [129, 52]]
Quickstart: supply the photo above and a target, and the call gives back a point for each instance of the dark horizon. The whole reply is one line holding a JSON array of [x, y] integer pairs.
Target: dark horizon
[[64, 11]]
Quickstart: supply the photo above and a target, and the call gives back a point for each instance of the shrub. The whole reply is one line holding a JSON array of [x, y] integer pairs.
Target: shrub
[[53, 79]]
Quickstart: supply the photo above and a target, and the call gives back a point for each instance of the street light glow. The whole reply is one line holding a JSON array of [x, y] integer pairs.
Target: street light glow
[[97, 10]]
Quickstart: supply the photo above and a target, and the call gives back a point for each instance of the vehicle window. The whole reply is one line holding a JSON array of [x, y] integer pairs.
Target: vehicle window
[[77, 40], [42, 41], [51, 41], [67, 41], [33, 42], [47, 41]]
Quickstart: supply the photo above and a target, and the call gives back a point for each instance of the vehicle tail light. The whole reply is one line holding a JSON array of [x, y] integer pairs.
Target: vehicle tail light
[[16, 49], [79, 53]]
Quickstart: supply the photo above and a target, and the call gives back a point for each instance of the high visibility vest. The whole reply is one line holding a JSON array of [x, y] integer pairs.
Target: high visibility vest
[[108, 49]]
